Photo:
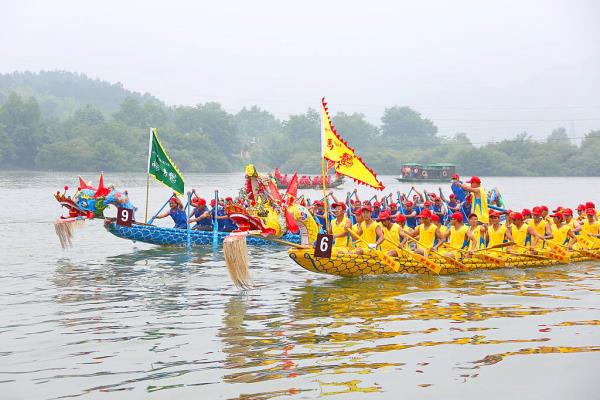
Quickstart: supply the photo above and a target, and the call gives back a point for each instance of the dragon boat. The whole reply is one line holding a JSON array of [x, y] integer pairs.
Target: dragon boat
[[353, 265]]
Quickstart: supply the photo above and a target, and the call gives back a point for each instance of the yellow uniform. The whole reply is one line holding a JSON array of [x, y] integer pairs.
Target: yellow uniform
[[519, 235], [591, 229], [427, 236], [480, 207], [496, 235], [358, 243], [369, 233], [457, 236], [392, 234], [338, 228], [560, 235], [477, 237], [541, 230]]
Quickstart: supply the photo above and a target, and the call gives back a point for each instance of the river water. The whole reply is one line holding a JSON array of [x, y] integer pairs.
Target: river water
[[113, 319]]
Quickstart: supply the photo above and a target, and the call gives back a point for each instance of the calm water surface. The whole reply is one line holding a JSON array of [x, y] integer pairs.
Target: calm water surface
[[113, 319]]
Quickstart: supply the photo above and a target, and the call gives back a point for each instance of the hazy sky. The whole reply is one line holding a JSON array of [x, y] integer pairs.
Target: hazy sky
[[490, 70]]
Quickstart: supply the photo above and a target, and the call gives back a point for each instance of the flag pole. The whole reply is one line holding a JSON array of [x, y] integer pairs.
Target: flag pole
[[325, 202], [148, 175]]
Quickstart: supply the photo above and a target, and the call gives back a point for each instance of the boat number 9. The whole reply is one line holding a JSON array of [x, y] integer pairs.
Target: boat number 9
[[324, 246], [124, 216]]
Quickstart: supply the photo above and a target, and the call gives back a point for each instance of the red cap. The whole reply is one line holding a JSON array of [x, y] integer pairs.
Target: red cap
[[526, 212], [557, 215], [318, 203], [536, 211], [567, 211], [432, 195], [544, 208], [340, 204], [425, 214], [473, 215], [228, 199], [173, 199], [393, 205], [367, 208], [400, 218], [213, 202], [589, 204], [581, 207], [199, 201], [377, 204], [409, 204], [590, 211], [517, 216], [559, 208], [383, 216], [366, 202], [457, 217], [452, 196], [474, 179], [494, 213], [435, 218], [427, 204], [455, 176]]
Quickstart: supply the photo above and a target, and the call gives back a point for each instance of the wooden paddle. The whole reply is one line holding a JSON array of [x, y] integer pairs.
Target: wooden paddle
[[436, 268], [449, 259], [497, 246], [486, 257]]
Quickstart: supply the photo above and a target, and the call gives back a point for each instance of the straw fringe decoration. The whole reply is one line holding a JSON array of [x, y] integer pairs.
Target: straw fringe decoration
[[236, 258], [65, 230]]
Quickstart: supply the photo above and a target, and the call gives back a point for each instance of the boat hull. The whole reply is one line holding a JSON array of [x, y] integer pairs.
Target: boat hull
[[178, 237], [352, 265]]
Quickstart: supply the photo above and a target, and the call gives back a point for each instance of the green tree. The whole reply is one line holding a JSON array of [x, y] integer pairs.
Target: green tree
[[403, 126]]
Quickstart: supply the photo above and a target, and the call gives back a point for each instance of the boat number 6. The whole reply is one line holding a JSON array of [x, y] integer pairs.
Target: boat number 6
[[324, 246]]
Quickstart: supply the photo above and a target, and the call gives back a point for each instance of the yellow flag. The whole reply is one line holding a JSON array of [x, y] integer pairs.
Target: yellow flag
[[342, 156]]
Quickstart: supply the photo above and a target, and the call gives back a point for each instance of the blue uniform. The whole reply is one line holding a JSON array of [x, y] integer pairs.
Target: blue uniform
[[458, 192], [179, 218], [204, 223], [411, 222]]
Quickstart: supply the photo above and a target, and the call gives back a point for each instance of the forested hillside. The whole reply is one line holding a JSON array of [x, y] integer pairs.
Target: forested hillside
[[64, 121]]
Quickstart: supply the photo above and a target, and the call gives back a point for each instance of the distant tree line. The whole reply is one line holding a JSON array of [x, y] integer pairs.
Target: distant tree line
[[64, 121]]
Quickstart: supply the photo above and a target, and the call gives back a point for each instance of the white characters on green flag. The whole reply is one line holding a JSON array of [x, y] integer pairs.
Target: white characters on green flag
[[161, 167]]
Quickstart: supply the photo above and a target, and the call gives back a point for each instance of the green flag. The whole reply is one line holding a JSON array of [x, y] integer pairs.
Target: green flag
[[161, 167]]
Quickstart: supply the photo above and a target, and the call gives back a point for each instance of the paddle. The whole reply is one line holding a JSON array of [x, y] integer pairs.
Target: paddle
[[158, 212], [496, 246], [436, 268], [385, 259], [449, 259], [486, 257], [215, 240]]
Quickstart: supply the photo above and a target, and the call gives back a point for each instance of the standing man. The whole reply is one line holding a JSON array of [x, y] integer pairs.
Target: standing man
[[479, 204]]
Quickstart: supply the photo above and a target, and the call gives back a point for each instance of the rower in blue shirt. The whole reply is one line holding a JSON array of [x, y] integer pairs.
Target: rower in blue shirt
[[176, 212], [201, 215]]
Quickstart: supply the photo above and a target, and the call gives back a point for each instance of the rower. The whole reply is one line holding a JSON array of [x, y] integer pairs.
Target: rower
[[520, 230], [403, 231], [540, 225], [572, 222], [479, 202], [457, 236], [176, 212], [561, 232], [478, 232], [201, 215], [591, 226], [318, 211], [393, 211], [425, 233], [359, 219], [581, 216], [527, 216], [439, 208], [369, 230], [442, 229], [376, 210], [390, 232], [410, 214], [338, 227], [496, 231]]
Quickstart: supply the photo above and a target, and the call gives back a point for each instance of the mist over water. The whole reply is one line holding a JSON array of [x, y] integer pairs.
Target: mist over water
[[128, 320]]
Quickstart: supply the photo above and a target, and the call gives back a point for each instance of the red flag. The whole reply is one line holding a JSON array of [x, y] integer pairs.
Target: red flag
[[101, 191], [291, 222], [292, 190], [83, 184], [274, 192]]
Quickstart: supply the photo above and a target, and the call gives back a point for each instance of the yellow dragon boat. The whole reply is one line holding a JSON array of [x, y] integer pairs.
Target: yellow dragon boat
[[354, 265]]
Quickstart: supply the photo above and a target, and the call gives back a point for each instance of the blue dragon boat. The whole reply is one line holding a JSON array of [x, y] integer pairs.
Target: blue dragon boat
[[177, 237]]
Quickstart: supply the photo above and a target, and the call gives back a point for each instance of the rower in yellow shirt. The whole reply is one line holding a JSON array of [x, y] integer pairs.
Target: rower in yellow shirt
[[369, 231], [540, 225], [497, 232], [425, 233], [561, 233], [339, 226], [519, 232], [591, 227], [390, 232], [457, 236], [574, 225], [401, 239], [478, 232]]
